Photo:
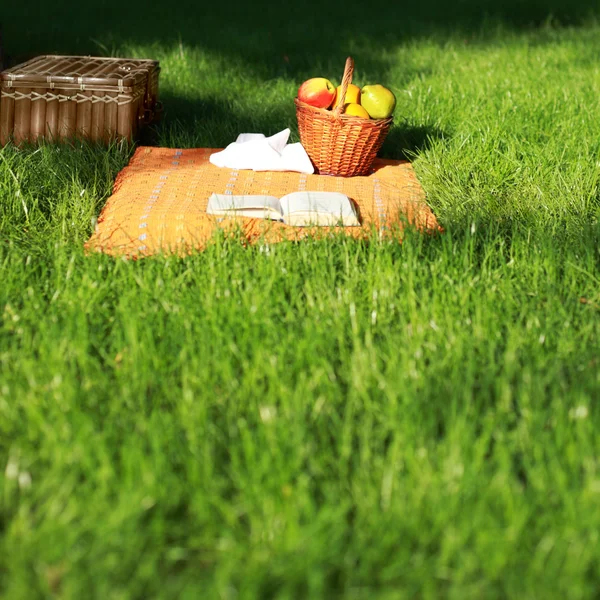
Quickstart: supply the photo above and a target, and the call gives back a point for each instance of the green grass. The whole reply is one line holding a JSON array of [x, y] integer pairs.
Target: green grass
[[319, 419]]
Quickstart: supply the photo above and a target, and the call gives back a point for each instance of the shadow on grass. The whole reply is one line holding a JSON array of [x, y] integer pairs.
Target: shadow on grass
[[288, 40], [404, 141], [291, 42]]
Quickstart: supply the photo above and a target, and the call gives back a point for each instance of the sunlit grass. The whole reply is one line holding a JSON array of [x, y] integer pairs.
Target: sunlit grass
[[318, 419]]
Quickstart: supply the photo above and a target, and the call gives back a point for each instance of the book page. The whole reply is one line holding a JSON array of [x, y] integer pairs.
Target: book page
[[253, 205], [318, 208]]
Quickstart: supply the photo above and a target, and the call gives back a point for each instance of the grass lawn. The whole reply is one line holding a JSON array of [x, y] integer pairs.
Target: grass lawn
[[314, 420]]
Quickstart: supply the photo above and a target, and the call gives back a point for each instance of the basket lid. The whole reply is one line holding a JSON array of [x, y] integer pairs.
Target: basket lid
[[80, 70]]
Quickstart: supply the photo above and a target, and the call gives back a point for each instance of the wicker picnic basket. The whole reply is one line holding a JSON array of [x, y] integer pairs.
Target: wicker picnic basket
[[64, 97], [336, 143]]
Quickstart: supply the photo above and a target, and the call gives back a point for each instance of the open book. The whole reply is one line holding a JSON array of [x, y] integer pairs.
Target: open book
[[296, 208]]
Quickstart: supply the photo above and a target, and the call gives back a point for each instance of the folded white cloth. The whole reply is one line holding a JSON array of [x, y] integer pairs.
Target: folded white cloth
[[259, 153]]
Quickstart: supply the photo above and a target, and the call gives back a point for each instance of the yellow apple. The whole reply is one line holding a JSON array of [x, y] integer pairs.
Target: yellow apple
[[318, 92], [355, 110], [352, 95]]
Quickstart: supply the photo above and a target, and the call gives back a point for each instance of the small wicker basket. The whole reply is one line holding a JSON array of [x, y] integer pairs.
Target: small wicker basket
[[340, 144]]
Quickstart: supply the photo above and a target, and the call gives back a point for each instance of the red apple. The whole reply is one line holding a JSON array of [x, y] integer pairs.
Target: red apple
[[318, 92]]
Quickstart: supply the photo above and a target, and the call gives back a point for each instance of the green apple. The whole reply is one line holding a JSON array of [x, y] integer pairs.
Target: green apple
[[378, 101]]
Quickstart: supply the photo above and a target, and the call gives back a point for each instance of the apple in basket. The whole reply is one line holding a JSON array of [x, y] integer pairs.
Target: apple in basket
[[352, 95], [318, 92]]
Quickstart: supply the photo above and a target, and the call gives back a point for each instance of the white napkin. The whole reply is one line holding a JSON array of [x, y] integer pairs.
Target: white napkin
[[259, 153]]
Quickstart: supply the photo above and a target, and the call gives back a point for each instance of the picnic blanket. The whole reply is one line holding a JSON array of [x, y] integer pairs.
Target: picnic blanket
[[159, 201]]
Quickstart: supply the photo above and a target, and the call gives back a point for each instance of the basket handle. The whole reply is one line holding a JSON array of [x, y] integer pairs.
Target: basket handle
[[346, 81], [149, 114]]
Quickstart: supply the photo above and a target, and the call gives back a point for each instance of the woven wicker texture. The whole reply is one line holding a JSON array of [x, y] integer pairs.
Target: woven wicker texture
[[51, 70], [159, 203], [62, 97], [340, 144]]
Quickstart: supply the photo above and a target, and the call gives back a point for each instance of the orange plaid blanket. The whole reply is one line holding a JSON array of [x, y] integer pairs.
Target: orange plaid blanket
[[159, 202]]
